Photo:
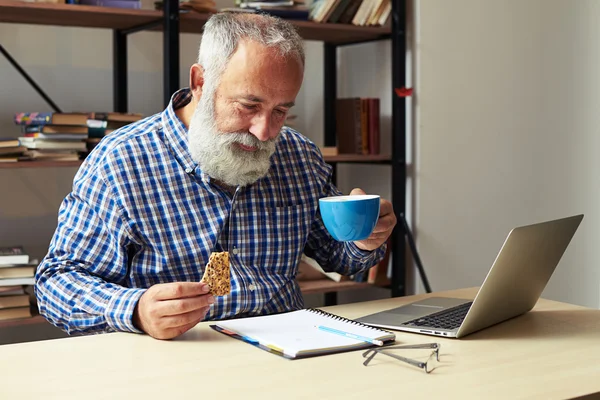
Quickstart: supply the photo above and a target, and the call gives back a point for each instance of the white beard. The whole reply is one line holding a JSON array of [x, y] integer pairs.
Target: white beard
[[217, 153]]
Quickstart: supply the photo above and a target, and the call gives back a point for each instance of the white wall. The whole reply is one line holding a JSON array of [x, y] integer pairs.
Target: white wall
[[508, 100]]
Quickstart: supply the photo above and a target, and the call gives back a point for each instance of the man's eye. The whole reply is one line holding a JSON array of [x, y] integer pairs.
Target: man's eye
[[280, 112], [249, 106]]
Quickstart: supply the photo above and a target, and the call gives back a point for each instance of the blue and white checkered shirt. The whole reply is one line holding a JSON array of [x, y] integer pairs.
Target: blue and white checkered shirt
[[142, 212]]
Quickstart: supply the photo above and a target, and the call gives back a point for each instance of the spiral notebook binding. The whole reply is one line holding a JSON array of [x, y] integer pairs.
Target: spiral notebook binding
[[344, 319]]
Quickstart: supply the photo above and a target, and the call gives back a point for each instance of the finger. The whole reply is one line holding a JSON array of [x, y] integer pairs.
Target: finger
[[357, 191], [385, 224], [180, 330], [179, 290], [185, 305], [385, 207], [175, 321], [379, 236]]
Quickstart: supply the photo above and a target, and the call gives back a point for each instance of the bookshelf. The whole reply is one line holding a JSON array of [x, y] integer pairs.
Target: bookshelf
[[171, 22], [189, 22]]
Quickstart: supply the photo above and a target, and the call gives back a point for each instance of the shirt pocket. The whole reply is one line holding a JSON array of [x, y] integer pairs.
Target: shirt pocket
[[283, 236]]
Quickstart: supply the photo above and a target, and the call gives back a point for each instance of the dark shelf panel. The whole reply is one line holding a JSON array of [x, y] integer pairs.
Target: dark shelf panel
[[191, 22]]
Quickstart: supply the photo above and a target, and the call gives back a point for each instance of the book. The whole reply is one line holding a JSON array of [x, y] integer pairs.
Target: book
[[373, 122], [18, 271], [348, 119], [13, 255], [8, 143], [17, 281], [55, 129], [112, 3], [12, 151], [378, 274], [77, 118], [312, 263], [11, 290], [295, 334], [50, 118], [18, 300], [14, 313], [38, 143], [329, 151]]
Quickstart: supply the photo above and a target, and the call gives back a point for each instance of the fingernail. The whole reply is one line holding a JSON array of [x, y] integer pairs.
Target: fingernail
[[205, 289], [211, 300]]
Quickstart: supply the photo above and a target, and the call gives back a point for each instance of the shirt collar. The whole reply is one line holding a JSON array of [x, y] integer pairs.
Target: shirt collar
[[176, 133]]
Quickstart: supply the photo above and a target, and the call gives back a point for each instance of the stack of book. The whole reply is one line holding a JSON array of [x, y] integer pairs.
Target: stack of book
[[112, 3], [16, 283], [56, 136], [355, 12], [101, 124], [10, 150], [357, 125], [286, 9]]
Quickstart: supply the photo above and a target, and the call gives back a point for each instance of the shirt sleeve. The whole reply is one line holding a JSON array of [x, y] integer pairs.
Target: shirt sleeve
[[79, 284], [342, 257]]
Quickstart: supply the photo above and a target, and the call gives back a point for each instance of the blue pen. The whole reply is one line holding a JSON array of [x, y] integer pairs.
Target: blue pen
[[350, 335]]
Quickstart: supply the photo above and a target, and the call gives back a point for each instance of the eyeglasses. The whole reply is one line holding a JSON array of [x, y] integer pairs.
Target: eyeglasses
[[427, 366]]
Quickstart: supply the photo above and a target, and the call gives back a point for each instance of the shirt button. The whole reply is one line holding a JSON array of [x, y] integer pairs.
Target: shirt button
[[188, 170], [235, 250], [252, 287]]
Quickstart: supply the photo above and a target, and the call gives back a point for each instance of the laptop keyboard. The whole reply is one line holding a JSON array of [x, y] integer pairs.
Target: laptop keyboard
[[446, 319]]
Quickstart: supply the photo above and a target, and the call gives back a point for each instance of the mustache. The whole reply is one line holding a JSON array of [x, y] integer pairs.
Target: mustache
[[246, 139]]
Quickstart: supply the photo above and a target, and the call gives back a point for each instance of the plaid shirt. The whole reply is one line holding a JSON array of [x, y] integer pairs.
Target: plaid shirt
[[142, 212]]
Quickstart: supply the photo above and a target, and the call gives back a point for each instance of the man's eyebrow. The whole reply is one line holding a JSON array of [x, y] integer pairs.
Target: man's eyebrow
[[256, 99]]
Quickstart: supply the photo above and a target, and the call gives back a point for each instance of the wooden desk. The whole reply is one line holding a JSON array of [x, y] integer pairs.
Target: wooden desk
[[552, 352]]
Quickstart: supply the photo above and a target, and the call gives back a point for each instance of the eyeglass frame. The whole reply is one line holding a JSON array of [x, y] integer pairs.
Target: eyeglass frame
[[371, 353]]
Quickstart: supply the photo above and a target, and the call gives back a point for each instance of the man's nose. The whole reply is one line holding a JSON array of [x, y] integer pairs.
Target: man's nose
[[261, 127]]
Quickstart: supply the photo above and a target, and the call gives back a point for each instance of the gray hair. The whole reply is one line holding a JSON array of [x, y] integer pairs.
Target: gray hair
[[223, 32]]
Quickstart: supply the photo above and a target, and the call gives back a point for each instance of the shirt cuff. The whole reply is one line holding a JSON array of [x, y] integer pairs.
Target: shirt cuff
[[365, 255], [119, 311]]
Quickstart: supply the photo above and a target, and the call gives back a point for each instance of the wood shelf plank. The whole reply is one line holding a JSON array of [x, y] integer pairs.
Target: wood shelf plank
[[328, 285], [332, 33], [39, 164], [74, 15], [359, 158], [190, 22]]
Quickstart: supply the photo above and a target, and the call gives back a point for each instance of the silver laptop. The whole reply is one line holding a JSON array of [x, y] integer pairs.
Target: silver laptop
[[513, 285]]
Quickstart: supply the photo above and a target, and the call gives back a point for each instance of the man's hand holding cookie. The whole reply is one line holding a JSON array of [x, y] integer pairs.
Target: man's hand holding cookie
[[167, 310]]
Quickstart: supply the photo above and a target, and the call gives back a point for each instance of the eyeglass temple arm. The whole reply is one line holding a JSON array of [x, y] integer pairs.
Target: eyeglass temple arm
[[415, 346], [410, 361]]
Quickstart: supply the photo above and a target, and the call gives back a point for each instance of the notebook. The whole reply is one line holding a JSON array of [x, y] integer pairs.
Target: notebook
[[296, 334]]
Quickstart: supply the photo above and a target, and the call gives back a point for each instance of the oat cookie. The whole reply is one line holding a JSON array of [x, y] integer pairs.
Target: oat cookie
[[216, 274]]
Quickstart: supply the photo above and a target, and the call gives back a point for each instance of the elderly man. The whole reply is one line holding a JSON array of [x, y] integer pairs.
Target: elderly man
[[215, 171]]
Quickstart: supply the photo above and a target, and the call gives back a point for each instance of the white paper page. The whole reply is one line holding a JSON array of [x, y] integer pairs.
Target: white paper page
[[296, 331]]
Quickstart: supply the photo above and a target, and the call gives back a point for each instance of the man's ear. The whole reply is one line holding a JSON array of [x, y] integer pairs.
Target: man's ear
[[197, 81]]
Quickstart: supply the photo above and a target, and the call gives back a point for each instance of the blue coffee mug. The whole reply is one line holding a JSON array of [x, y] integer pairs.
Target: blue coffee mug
[[350, 218]]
